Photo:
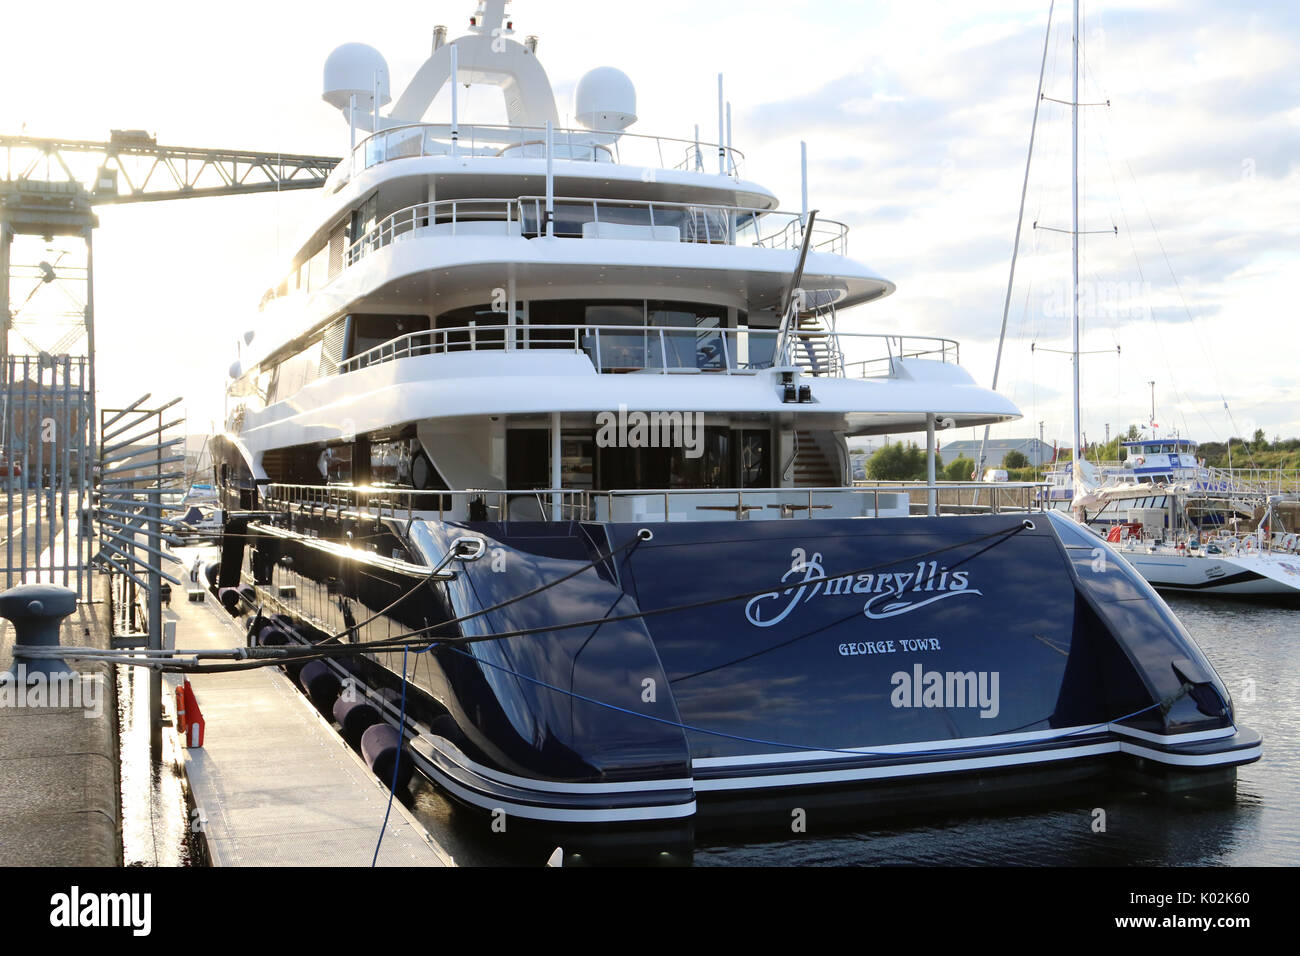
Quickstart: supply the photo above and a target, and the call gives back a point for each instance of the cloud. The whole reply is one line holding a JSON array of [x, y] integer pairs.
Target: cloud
[[917, 118], [1195, 160]]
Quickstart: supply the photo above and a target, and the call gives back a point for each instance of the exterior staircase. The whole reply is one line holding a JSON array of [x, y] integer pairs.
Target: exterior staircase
[[813, 468], [815, 348]]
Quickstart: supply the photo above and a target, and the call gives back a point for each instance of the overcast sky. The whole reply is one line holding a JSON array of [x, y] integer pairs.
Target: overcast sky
[[917, 117]]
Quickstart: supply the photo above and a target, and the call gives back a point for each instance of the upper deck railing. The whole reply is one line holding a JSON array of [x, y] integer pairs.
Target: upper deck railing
[[668, 349], [861, 500], [926, 347], [577, 218], [529, 142], [1271, 481]]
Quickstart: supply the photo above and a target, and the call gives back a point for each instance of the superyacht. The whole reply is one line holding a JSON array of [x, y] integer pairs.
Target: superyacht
[[571, 406]]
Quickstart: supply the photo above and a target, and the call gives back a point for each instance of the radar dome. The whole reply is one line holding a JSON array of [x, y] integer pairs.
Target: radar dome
[[605, 99], [351, 71]]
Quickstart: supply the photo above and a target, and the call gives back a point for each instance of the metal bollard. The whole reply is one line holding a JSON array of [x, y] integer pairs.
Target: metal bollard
[[36, 610]]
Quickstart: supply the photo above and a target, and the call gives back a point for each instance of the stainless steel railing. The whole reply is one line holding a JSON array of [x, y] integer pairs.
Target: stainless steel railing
[[446, 217], [901, 347], [872, 499], [488, 141], [583, 218], [662, 349]]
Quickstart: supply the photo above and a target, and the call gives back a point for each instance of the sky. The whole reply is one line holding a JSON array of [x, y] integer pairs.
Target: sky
[[917, 117]]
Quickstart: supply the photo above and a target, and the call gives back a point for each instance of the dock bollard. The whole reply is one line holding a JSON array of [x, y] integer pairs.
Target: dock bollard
[[36, 611]]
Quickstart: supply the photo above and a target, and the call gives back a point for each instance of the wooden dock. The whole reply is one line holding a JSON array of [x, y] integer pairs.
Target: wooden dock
[[274, 784]]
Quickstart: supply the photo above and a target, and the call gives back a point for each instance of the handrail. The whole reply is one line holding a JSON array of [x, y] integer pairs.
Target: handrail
[[492, 141], [946, 350], [676, 221], [695, 222], [740, 220], [444, 212], [630, 348], [580, 504]]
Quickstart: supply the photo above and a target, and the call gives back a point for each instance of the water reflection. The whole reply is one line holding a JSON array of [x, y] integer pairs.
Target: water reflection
[[1256, 650], [155, 819]]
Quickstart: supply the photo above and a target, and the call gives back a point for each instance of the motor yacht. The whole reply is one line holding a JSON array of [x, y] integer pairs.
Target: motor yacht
[[548, 426]]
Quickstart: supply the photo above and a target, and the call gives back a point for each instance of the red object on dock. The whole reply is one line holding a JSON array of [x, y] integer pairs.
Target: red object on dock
[[189, 719]]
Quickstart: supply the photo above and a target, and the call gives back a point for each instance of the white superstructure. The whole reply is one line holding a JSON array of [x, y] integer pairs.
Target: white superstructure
[[470, 299]]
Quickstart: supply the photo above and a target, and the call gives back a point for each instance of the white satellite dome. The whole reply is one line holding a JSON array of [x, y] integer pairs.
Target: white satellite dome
[[351, 71], [605, 99]]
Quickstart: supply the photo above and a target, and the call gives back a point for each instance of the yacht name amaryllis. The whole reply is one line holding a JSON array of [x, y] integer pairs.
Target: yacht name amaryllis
[[892, 592]]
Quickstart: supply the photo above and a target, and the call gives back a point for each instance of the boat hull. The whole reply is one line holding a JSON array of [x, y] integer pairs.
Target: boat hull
[[1258, 575], [683, 675]]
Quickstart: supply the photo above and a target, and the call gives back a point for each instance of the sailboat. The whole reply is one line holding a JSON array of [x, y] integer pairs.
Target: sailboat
[[1175, 535]]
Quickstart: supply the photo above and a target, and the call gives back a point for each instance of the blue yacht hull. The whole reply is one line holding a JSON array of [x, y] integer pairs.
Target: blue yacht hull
[[727, 673]]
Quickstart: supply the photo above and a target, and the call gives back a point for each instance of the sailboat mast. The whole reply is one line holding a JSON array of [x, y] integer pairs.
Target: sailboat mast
[[1074, 233]]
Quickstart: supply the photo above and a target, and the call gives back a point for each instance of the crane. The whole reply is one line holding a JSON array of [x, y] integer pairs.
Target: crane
[[132, 167], [49, 187]]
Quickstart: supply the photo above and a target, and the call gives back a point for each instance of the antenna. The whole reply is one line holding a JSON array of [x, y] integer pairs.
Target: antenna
[[722, 131], [803, 178], [455, 88], [550, 181], [729, 127], [1074, 228]]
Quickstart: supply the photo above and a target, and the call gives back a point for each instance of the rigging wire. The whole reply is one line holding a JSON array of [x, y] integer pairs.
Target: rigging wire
[[1054, 144], [250, 658], [397, 764], [1020, 221], [632, 542], [1200, 339], [818, 630], [696, 605]]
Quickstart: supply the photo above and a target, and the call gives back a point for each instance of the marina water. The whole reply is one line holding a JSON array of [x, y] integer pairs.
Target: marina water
[[1256, 650]]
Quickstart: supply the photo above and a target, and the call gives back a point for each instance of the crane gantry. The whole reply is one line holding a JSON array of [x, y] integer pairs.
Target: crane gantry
[[132, 167], [48, 187]]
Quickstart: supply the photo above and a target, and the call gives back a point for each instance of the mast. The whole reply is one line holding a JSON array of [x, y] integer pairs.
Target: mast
[[1074, 235]]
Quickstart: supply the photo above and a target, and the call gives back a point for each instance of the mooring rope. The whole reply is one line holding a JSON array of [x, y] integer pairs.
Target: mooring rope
[[245, 658]]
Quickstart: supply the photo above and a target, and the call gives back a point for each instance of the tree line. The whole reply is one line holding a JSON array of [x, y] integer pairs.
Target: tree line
[[906, 461]]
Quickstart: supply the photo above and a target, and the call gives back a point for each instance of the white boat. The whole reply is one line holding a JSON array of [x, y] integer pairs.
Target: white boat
[[1174, 554], [1152, 464], [563, 414], [1246, 572], [1186, 527]]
